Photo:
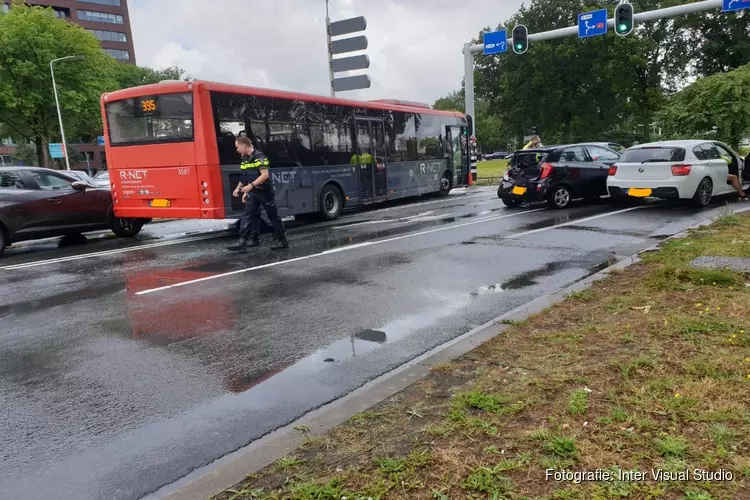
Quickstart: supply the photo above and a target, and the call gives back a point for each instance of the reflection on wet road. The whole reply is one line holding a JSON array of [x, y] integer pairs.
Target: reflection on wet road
[[108, 392]]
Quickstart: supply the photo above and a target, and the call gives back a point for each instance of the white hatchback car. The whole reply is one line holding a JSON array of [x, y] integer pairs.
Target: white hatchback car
[[693, 170]]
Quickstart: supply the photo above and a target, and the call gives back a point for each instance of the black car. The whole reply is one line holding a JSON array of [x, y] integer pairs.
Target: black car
[[40, 203], [557, 174], [497, 155]]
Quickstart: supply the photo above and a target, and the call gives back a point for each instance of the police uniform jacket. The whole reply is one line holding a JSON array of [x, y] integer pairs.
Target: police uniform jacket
[[250, 170]]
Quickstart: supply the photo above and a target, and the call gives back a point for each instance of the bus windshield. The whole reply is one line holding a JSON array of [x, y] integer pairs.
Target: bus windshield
[[154, 119]]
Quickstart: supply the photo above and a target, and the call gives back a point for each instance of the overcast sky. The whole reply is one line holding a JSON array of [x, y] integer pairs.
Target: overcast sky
[[414, 45]]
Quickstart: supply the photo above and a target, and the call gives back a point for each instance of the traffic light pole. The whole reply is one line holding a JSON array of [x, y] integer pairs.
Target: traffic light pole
[[469, 49]]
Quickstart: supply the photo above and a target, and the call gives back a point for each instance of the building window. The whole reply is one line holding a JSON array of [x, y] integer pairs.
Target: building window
[[122, 55], [115, 3], [100, 17], [109, 36]]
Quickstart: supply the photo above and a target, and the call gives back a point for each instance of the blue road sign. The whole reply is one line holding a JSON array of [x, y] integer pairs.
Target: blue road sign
[[733, 5], [56, 150], [496, 42], [592, 23], [100, 140]]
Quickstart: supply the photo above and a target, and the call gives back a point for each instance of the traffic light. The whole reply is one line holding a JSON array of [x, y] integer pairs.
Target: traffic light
[[470, 125], [520, 39], [624, 19]]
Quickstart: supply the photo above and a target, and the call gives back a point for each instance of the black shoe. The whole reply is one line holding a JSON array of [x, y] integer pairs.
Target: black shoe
[[280, 243], [254, 242], [240, 246]]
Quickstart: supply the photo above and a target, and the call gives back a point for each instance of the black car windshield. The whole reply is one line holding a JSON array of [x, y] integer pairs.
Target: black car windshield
[[653, 155]]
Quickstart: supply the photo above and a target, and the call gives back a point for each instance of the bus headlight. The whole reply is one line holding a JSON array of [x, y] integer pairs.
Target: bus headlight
[[206, 201], [205, 193], [204, 184]]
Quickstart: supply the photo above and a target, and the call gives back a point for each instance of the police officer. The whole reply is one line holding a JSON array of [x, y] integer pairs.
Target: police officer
[[535, 142], [257, 191]]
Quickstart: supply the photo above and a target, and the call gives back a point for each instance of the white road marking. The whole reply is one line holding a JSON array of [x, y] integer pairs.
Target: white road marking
[[197, 238], [109, 252], [572, 222], [337, 250], [378, 242]]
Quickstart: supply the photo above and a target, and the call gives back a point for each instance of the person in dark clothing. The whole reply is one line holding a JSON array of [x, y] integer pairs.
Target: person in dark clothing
[[257, 191]]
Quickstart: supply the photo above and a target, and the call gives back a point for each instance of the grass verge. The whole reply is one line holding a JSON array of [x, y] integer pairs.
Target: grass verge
[[648, 376], [490, 172]]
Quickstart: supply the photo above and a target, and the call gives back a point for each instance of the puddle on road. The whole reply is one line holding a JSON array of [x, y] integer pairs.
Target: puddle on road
[[532, 277]]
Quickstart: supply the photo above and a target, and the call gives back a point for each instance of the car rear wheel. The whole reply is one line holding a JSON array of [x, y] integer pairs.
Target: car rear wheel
[[126, 227], [704, 193], [560, 197]]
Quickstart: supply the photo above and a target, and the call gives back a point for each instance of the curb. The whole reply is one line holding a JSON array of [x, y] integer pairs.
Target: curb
[[236, 466]]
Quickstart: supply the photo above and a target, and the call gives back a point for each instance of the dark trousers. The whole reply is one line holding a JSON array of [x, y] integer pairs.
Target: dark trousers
[[250, 220]]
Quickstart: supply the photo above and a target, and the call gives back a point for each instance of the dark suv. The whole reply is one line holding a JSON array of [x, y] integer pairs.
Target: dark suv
[[557, 174], [40, 203]]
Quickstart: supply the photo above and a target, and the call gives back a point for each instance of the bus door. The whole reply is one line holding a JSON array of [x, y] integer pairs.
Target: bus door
[[458, 154], [371, 158]]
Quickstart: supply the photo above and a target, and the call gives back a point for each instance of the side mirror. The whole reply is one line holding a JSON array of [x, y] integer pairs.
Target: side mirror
[[79, 186]]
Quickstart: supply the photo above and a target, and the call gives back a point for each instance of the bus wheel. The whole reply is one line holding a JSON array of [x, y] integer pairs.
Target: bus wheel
[[331, 202], [445, 184], [125, 227]]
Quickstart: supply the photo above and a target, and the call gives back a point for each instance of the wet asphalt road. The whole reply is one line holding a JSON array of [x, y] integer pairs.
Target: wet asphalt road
[[126, 365]]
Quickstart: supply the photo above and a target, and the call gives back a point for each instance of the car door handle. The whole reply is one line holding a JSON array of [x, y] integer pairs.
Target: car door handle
[[54, 200]]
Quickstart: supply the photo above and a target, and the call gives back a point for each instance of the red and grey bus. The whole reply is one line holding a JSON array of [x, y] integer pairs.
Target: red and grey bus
[[171, 149]]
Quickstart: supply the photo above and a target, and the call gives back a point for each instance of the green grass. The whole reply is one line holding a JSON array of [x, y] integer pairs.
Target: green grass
[[493, 169]]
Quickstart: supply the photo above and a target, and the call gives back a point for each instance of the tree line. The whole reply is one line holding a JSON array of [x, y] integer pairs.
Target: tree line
[[31, 37], [685, 76]]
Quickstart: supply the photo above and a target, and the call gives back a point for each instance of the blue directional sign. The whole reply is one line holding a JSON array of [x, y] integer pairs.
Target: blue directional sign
[[56, 150], [592, 23], [100, 140], [733, 5], [495, 42]]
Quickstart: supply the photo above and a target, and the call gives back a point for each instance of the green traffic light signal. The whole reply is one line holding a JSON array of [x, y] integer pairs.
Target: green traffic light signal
[[624, 18], [520, 39]]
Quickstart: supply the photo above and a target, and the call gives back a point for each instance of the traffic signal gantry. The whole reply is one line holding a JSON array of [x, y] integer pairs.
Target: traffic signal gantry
[[590, 24]]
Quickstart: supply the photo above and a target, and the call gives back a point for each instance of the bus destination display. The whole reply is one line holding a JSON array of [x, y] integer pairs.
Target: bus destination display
[[147, 106]]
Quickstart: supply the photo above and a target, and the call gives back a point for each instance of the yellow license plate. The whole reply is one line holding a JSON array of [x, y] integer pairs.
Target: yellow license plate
[[159, 203], [639, 193], [519, 190]]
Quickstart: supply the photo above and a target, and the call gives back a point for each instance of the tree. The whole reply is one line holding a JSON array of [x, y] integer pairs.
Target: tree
[[30, 37], [452, 102], [25, 154], [721, 100], [129, 75]]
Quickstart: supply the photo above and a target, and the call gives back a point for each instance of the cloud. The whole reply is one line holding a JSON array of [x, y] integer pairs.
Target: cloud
[[414, 45]]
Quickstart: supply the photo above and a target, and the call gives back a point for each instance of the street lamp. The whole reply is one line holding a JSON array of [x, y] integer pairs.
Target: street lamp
[[57, 101]]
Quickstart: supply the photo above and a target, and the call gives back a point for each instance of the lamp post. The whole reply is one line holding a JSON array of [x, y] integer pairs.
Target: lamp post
[[57, 101]]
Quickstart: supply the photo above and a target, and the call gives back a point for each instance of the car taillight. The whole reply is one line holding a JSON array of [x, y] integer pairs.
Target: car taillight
[[612, 170], [681, 169], [546, 170]]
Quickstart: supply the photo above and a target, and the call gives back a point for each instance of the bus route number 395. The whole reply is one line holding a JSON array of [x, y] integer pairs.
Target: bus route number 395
[[183, 171]]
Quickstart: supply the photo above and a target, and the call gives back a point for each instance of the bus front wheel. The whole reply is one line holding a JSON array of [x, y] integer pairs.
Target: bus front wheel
[[446, 184], [331, 202]]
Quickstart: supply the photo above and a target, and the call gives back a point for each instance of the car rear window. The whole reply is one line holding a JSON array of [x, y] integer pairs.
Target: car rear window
[[653, 155], [526, 160]]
